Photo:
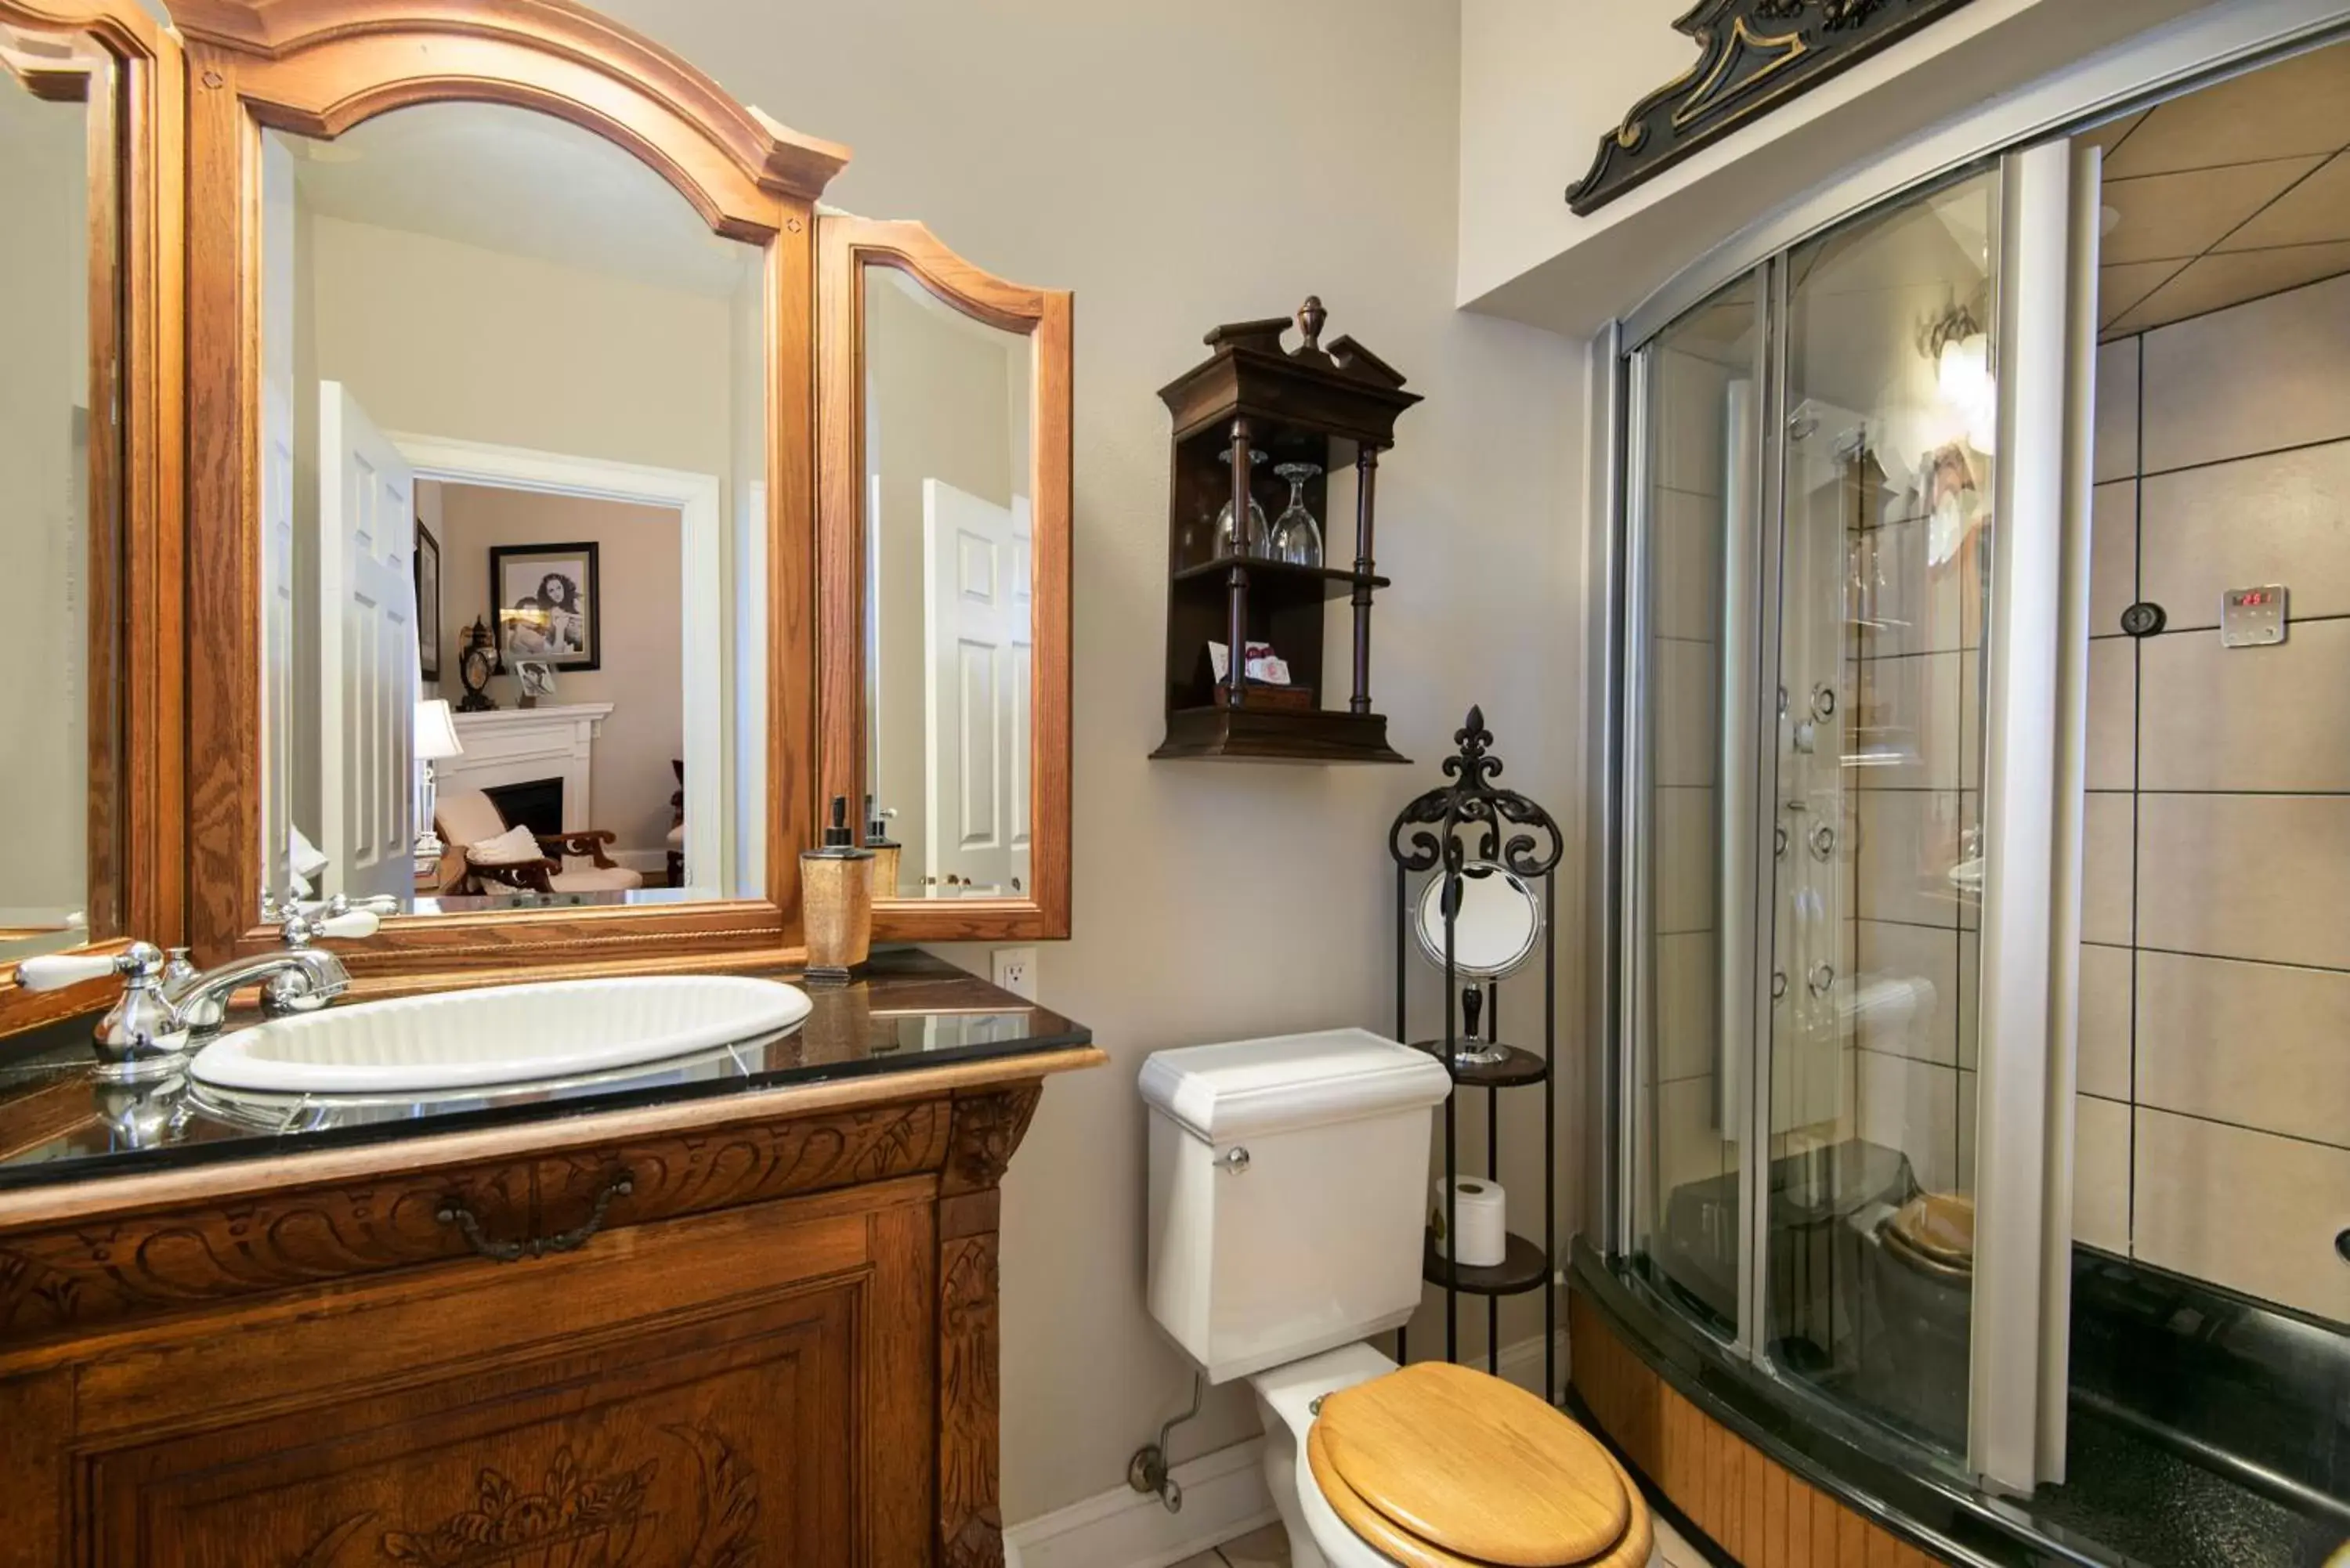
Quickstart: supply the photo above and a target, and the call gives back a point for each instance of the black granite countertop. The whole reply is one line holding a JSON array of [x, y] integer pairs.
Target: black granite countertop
[[60, 1123]]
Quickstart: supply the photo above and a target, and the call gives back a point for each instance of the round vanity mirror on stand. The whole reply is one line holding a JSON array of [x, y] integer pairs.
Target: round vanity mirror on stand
[[1497, 924], [1496, 927]]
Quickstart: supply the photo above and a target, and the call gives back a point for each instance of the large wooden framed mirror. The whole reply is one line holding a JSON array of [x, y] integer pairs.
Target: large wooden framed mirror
[[89, 519], [502, 385], [946, 407]]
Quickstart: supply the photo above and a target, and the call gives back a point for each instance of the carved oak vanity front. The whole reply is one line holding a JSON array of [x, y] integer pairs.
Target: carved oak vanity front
[[741, 1316]]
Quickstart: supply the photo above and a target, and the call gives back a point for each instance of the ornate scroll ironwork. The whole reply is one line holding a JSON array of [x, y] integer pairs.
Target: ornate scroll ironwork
[[1754, 55], [1471, 818]]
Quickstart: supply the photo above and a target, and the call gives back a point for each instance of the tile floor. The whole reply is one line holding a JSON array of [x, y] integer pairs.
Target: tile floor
[[1269, 1548], [1266, 1548]]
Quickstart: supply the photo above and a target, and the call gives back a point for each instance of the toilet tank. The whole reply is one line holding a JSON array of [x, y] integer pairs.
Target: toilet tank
[[1289, 1183]]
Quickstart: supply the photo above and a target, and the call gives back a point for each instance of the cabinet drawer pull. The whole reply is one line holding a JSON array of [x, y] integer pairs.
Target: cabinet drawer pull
[[455, 1213]]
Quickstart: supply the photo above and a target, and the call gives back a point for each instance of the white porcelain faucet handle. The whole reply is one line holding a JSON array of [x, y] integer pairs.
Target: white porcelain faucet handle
[[352, 925], [55, 971]]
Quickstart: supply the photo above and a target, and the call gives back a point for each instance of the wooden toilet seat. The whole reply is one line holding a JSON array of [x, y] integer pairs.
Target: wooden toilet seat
[[1442, 1467]]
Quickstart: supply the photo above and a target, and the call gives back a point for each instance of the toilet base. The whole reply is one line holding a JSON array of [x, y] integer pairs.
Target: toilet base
[[1285, 1394]]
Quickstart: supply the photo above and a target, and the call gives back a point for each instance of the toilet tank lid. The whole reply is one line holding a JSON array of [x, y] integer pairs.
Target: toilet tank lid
[[1248, 1087]]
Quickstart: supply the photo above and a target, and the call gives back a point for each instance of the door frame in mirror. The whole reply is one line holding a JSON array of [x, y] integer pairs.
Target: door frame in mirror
[[317, 68], [136, 141], [847, 246]]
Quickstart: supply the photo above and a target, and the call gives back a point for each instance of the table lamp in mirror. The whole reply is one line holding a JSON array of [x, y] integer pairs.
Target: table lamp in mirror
[[436, 740]]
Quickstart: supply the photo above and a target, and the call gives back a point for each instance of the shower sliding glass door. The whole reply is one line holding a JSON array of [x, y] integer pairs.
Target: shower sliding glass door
[[1844, 809], [1697, 386], [1875, 876]]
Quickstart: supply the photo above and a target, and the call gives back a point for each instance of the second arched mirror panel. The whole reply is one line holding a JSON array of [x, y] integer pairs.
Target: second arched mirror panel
[[945, 455], [499, 501], [89, 519]]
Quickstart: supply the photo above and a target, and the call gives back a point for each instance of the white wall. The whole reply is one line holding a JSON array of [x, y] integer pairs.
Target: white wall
[[1266, 152], [1539, 84], [939, 406], [44, 527], [445, 339], [1541, 81], [745, 571]]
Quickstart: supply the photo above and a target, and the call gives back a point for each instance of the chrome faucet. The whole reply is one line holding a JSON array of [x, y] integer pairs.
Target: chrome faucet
[[297, 978], [168, 1005], [293, 979]]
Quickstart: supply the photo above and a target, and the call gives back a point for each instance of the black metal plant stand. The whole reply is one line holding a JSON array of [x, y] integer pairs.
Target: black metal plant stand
[[1443, 831]]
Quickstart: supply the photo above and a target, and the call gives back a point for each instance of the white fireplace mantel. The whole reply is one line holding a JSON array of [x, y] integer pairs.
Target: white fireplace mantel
[[516, 745]]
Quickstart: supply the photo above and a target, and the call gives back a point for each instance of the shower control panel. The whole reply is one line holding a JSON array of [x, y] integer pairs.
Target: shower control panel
[[2252, 618]]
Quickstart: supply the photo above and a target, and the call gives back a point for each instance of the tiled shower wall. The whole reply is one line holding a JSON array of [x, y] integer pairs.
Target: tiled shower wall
[[2213, 1135]]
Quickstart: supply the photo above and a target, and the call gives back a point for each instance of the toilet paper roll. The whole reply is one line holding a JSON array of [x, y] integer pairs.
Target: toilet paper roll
[[1484, 1220]]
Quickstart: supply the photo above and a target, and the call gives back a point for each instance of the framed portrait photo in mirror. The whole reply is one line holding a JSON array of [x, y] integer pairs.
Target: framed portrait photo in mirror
[[944, 409], [548, 600], [428, 603]]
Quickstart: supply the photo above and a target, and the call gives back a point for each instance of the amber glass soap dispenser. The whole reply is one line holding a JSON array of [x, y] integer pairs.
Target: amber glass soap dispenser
[[836, 898]]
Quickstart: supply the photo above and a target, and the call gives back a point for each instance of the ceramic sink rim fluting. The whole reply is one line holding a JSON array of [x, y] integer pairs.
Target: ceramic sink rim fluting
[[499, 1035]]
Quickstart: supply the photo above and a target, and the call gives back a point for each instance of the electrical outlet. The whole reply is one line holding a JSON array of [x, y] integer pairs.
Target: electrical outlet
[[1015, 970]]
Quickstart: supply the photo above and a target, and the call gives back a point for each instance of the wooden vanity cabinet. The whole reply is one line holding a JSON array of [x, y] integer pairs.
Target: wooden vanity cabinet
[[778, 1348]]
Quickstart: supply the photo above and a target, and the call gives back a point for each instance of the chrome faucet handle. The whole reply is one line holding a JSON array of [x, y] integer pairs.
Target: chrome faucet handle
[[339, 918], [374, 904], [143, 1035]]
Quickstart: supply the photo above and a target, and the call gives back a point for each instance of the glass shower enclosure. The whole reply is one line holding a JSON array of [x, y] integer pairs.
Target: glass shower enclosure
[[1849, 795]]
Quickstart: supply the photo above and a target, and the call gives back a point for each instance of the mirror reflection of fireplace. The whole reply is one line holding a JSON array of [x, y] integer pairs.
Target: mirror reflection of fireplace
[[535, 804]]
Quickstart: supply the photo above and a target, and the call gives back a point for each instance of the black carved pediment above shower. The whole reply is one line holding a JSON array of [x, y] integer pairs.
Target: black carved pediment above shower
[[1754, 55]]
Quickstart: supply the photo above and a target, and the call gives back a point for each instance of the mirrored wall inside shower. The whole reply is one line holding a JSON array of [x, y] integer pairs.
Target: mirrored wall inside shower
[[1812, 544]]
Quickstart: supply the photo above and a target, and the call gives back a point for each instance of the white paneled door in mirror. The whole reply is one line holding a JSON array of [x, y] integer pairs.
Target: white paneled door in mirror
[[60, 496], [513, 419], [950, 616]]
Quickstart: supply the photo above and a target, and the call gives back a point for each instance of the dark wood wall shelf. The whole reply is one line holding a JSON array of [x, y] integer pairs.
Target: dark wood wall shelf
[[1249, 407]]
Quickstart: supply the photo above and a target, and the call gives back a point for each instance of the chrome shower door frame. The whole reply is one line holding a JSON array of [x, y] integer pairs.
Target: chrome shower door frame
[[2034, 647]]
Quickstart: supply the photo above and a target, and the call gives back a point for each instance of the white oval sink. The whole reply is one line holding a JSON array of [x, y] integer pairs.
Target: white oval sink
[[499, 1035]]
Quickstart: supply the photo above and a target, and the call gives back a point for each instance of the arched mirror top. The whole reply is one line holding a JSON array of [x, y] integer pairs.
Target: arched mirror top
[[908, 244], [320, 67], [120, 26], [52, 63]]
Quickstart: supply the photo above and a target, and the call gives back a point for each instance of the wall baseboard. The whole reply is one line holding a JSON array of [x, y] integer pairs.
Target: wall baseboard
[[1521, 1365], [1224, 1497]]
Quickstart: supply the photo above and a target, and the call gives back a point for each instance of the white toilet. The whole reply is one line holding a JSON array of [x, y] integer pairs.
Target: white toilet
[[1288, 1180]]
